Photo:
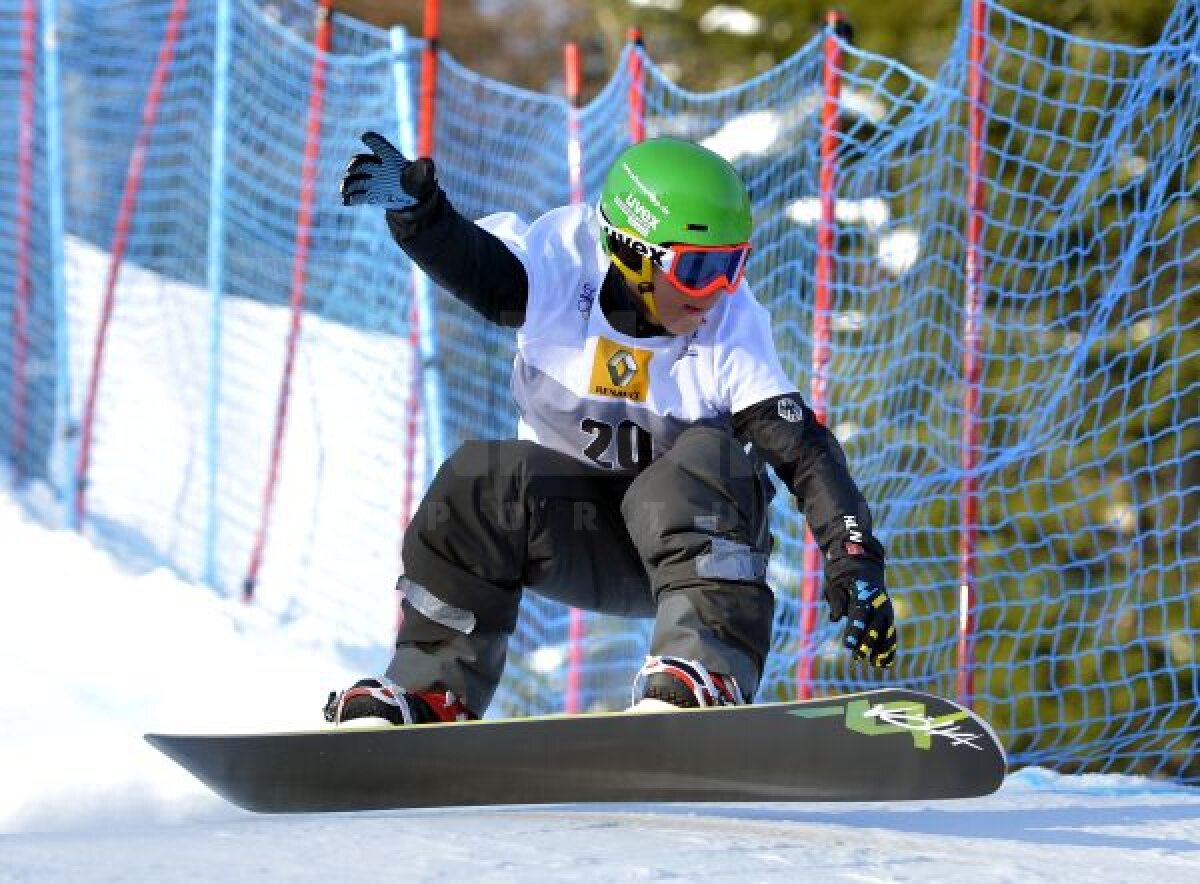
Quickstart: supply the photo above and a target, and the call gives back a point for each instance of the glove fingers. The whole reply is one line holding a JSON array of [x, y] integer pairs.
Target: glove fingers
[[870, 639], [381, 146], [361, 162], [871, 634], [354, 187], [855, 633], [883, 653]]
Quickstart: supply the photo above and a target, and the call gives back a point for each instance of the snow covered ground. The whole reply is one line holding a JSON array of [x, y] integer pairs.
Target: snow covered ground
[[93, 654]]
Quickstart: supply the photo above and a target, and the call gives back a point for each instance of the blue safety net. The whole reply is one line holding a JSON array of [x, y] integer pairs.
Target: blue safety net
[[1087, 551]]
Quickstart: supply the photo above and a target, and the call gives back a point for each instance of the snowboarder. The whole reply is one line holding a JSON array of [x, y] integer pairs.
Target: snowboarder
[[649, 393]]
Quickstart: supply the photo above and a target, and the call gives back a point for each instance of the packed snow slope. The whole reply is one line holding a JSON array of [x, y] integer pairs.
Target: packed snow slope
[[93, 654]]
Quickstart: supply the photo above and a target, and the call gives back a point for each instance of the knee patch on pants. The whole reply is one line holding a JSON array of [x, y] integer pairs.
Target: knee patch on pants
[[699, 514]]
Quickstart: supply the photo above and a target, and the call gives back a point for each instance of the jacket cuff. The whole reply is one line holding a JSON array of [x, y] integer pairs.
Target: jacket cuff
[[405, 224], [860, 558]]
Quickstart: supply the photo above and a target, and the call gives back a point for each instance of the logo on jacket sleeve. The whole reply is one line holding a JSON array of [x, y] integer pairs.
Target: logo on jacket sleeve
[[620, 371], [854, 536], [587, 297], [789, 410]]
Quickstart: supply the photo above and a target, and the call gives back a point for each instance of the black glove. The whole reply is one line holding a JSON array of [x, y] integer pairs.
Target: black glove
[[871, 632], [387, 178]]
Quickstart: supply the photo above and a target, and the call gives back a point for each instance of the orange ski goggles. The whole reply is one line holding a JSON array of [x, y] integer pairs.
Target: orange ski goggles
[[697, 271]]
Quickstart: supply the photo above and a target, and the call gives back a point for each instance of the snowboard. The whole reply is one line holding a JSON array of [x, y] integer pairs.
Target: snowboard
[[880, 745]]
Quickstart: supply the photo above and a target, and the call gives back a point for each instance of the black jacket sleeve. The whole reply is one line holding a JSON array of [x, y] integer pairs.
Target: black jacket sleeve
[[808, 459], [464, 259]]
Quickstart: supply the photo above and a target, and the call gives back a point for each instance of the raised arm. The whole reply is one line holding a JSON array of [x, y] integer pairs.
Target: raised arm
[[461, 257]]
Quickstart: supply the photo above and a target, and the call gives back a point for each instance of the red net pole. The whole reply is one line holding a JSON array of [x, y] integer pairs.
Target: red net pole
[[572, 69], [972, 360], [133, 179], [637, 88], [574, 77], [426, 120], [425, 146], [826, 236], [308, 174], [24, 222], [429, 72]]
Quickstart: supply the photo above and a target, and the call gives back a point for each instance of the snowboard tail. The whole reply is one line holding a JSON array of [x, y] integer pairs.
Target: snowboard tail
[[879, 745]]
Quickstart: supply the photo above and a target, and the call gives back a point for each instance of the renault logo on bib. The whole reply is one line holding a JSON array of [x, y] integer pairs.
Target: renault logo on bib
[[620, 371], [622, 368]]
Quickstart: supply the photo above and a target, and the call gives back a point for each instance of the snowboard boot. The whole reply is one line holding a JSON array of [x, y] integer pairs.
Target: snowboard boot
[[376, 702], [667, 683]]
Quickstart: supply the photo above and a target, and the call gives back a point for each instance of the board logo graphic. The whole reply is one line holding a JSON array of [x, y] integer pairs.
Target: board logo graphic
[[620, 371], [898, 717]]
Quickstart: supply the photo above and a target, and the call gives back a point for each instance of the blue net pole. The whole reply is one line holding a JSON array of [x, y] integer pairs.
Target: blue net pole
[[426, 308], [22, 293], [54, 182], [223, 25]]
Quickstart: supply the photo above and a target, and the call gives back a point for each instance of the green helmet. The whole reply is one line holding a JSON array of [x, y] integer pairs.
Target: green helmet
[[670, 191]]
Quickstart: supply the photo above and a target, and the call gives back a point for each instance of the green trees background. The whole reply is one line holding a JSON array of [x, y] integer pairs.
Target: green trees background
[[520, 41]]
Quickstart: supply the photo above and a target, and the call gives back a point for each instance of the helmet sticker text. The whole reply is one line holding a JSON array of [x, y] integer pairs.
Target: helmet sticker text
[[650, 194], [640, 218], [655, 253]]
